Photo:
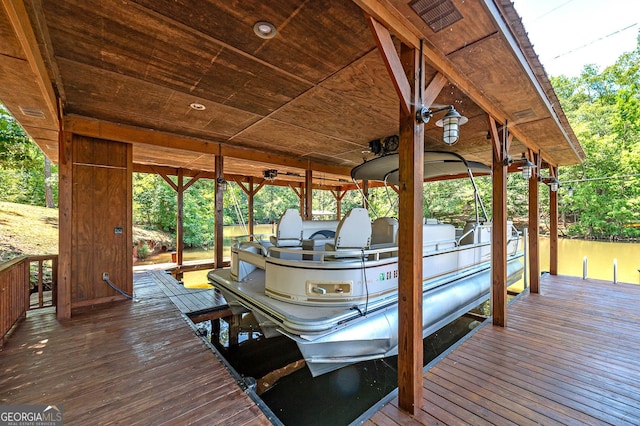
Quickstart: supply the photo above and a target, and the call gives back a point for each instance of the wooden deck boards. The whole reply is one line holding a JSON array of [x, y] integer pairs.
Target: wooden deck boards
[[189, 301], [568, 356], [127, 362]]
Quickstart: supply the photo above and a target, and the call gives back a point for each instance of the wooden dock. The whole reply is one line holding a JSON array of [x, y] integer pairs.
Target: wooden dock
[[126, 362], [569, 355], [198, 304]]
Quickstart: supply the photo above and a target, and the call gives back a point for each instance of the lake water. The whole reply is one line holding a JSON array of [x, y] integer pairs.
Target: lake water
[[600, 255], [199, 278], [335, 398]]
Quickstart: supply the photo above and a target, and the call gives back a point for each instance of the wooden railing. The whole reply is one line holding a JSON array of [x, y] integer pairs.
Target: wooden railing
[[26, 282], [43, 278]]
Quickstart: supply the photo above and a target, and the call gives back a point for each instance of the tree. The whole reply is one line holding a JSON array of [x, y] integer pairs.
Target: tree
[[22, 166], [48, 189], [604, 110]]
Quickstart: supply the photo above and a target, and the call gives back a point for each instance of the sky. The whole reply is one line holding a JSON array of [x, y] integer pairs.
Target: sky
[[569, 34]]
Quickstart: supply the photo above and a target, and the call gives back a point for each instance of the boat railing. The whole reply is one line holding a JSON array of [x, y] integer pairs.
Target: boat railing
[[465, 235], [244, 245], [514, 231], [331, 256], [249, 237], [429, 246], [515, 235], [371, 254], [256, 245]]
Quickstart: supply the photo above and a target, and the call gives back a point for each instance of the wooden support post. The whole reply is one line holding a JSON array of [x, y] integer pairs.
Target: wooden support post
[[218, 220], [215, 330], [499, 231], [534, 229], [180, 218], [65, 225], [411, 158], [338, 194], [553, 225], [234, 329], [180, 187], [251, 192], [250, 195], [365, 194], [300, 193], [308, 194]]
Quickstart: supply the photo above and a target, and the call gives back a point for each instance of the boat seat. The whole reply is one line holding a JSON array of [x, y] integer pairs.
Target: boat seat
[[438, 236], [353, 233], [384, 232], [289, 230], [475, 233], [317, 229]]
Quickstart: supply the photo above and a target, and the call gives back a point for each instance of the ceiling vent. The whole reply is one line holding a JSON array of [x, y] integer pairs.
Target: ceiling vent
[[437, 14], [525, 114], [32, 112]]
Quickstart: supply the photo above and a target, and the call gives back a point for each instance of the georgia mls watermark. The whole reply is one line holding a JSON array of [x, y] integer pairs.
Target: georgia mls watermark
[[30, 415]]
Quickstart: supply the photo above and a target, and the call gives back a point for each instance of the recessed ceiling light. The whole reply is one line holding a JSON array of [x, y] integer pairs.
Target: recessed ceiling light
[[264, 29], [197, 106]]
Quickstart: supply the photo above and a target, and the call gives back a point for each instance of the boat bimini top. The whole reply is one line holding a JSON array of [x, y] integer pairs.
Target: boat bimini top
[[436, 164]]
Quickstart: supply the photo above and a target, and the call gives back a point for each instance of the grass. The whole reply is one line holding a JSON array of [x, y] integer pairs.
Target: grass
[[33, 230], [27, 230]]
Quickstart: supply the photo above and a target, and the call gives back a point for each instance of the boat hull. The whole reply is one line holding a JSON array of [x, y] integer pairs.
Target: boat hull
[[332, 337]]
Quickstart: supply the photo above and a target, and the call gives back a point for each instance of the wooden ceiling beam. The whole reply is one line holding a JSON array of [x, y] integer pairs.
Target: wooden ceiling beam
[[385, 13], [21, 24], [193, 180], [392, 62], [137, 136], [165, 171], [432, 90]]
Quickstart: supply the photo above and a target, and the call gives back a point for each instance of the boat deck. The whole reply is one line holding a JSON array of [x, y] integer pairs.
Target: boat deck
[[568, 356], [127, 362]]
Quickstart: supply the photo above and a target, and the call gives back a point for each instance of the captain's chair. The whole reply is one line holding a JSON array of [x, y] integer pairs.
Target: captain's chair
[[353, 232], [289, 231]]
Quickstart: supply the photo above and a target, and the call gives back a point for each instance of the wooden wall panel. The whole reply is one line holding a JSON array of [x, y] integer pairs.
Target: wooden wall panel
[[83, 233], [101, 204]]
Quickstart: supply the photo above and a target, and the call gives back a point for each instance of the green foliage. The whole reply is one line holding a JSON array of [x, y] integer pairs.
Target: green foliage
[[16, 148], [154, 203], [22, 178], [143, 251], [270, 202], [604, 110]]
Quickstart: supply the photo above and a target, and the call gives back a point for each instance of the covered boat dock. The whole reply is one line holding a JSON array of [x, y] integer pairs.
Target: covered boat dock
[[210, 90]]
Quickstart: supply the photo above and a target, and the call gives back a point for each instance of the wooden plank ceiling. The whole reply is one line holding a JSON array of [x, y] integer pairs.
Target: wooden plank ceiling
[[312, 96]]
